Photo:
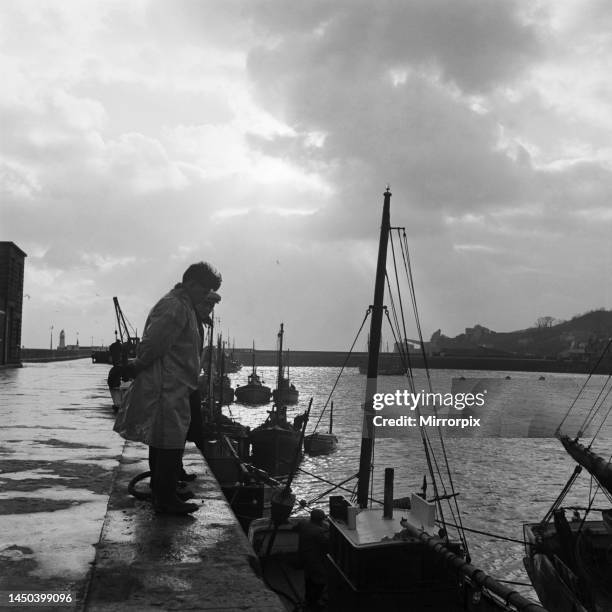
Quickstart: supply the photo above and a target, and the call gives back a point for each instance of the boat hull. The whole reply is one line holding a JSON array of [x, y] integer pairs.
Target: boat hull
[[285, 396], [389, 575], [275, 448], [226, 395], [102, 357], [320, 444], [577, 583], [248, 501], [254, 395]]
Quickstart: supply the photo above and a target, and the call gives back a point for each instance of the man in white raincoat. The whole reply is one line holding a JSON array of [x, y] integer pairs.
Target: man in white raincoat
[[156, 408]]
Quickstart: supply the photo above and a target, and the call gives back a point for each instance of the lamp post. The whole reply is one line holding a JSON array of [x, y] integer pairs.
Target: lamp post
[[51, 340]]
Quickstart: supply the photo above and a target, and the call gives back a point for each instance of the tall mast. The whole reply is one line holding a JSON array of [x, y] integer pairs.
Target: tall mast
[[280, 358], [253, 356], [209, 392], [367, 435]]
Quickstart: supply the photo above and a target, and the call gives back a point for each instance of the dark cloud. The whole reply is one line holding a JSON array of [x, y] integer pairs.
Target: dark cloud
[[138, 138]]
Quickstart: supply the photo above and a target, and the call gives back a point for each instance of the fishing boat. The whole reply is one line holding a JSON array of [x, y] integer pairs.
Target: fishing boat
[[225, 445], [223, 389], [232, 365], [276, 443], [247, 489], [569, 562], [254, 393], [322, 443], [221, 385], [285, 392], [385, 559]]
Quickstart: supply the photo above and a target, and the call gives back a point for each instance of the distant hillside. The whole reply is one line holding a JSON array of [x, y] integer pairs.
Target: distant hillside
[[582, 338]]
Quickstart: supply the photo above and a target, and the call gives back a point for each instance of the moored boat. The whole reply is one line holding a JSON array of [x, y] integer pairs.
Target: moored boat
[[254, 393], [285, 392], [221, 383], [277, 444], [322, 443]]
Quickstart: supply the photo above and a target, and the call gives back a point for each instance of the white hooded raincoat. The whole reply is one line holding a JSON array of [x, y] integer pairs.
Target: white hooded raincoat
[[155, 410]]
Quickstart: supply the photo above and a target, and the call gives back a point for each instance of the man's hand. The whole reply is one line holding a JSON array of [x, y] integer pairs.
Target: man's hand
[[212, 298], [205, 305]]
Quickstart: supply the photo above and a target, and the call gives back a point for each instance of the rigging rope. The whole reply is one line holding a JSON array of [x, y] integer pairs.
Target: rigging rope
[[424, 436], [600, 426], [369, 310], [591, 501], [592, 413], [404, 356], [586, 382], [561, 496], [486, 533], [410, 277]]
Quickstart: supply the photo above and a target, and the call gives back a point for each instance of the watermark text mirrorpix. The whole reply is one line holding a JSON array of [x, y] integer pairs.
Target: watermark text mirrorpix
[[424, 399]]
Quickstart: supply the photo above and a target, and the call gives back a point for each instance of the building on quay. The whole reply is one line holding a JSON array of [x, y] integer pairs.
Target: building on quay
[[12, 260]]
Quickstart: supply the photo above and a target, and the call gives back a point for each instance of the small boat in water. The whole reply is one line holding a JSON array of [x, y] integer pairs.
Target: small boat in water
[[221, 383], [320, 443], [285, 392], [277, 444], [254, 393]]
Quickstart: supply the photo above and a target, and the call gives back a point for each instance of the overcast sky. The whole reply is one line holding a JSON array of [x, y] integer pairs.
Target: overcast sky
[[138, 137]]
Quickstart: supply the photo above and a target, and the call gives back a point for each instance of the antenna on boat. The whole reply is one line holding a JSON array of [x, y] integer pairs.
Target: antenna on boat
[[367, 434]]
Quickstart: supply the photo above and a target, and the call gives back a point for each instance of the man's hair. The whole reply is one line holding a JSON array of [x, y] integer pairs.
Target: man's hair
[[203, 274]]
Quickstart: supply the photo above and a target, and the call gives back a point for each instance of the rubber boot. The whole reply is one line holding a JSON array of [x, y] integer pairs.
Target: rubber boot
[[165, 477], [182, 492]]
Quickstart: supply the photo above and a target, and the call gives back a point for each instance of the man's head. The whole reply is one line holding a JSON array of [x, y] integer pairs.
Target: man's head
[[201, 280], [202, 274], [317, 516]]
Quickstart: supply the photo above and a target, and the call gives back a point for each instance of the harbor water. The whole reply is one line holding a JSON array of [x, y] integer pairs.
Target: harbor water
[[502, 482]]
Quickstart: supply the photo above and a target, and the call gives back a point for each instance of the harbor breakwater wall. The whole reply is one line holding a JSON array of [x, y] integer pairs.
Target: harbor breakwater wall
[[300, 358], [391, 361], [36, 355], [388, 362]]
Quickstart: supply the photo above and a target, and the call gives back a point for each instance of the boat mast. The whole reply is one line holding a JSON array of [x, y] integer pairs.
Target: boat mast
[[254, 357], [210, 396], [280, 358], [367, 435]]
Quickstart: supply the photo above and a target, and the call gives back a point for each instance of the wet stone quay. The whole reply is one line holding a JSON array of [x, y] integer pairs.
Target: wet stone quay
[[68, 525]]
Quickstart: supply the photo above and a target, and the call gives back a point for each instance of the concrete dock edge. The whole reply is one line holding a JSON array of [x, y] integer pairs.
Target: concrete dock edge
[[147, 562]]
